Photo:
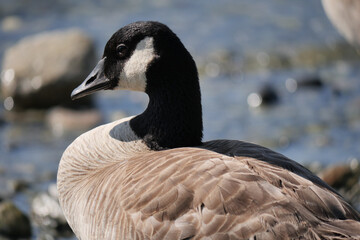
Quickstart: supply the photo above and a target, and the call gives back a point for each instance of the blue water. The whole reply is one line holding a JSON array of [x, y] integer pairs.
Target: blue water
[[202, 25], [309, 125]]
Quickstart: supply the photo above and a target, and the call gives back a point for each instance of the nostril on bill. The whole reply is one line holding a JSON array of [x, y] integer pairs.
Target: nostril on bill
[[90, 80]]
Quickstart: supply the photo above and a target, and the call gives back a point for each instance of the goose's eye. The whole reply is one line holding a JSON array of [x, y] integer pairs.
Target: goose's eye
[[121, 50]]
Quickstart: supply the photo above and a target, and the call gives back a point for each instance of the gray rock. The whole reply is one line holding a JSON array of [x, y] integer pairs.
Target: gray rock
[[41, 70], [13, 223]]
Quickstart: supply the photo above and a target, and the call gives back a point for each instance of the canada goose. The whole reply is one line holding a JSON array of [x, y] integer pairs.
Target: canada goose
[[345, 15], [151, 177]]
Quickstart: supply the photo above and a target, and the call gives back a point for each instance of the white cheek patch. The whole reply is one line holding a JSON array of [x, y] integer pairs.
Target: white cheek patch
[[133, 75]]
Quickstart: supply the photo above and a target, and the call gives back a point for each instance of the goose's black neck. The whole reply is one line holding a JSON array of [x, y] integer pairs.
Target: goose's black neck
[[173, 117]]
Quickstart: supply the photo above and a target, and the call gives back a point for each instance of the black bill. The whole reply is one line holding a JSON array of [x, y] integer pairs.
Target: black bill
[[94, 82]]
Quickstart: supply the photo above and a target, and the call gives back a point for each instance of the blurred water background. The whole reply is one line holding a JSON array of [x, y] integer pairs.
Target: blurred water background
[[272, 72]]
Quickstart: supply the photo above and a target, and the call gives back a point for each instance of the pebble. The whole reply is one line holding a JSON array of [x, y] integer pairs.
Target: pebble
[[269, 95], [336, 176], [314, 82], [345, 179], [265, 97]]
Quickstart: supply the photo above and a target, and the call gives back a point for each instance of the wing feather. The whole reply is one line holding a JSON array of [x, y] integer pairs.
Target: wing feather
[[222, 190]]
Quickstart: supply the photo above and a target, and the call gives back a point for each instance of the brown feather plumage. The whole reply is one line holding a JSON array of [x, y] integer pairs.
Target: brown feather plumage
[[196, 193]]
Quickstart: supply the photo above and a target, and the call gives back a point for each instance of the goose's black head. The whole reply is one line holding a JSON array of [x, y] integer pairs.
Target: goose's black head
[[149, 57], [139, 57]]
